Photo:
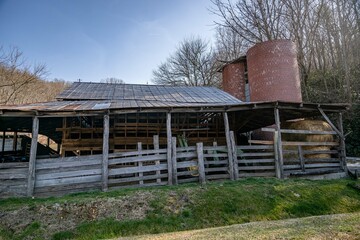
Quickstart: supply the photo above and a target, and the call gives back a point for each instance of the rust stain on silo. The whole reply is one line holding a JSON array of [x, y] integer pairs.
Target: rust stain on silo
[[233, 79], [273, 72]]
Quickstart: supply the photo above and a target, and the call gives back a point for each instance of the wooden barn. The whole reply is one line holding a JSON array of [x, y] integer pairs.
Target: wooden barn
[[104, 136]]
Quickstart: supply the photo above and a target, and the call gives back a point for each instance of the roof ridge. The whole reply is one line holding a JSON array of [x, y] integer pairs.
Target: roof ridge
[[143, 84]]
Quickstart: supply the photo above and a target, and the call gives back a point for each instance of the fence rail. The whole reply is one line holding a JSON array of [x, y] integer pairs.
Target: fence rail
[[13, 179], [57, 176]]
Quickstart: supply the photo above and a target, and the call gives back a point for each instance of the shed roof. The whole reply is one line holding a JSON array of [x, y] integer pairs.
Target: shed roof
[[148, 94]]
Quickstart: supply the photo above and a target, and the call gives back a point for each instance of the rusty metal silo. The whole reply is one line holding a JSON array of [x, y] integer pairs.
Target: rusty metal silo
[[273, 72], [233, 78]]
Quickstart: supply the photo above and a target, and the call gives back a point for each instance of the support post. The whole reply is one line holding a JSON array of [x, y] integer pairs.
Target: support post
[[168, 135], [280, 171], [105, 154], [3, 143], [157, 162], [15, 141], [228, 144], [342, 143], [234, 155], [277, 165], [201, 167], [141, 174], [32, 158], [173, 160]]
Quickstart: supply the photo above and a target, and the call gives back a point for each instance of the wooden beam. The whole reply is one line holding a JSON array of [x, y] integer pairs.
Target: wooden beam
[[279, 143], [301, 158], [201, 167], [105, 154], [300, 131], [341, 135], [342, 143], [3, 143], [168, 135], [140, 164], [157, 162], [228, 144], [15, 141], [32, 159], [173, 160], [276, 153], [234, 153]]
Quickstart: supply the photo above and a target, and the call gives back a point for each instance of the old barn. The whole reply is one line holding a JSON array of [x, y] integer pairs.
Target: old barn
[[106, 136]]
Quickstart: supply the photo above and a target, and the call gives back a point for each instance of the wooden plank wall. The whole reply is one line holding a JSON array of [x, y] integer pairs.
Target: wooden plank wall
[[13, 179], [138, 168], [58, 176], [256, 161], [308, 158], [301, 159]]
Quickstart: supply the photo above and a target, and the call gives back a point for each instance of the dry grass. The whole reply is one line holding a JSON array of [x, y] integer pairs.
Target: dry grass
[[340, 226]]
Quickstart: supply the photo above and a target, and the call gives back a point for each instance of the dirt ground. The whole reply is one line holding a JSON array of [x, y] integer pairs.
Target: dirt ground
[[66, 216]]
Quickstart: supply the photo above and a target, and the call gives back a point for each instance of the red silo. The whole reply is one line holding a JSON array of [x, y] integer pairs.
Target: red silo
[[273, 72], [233, 78]]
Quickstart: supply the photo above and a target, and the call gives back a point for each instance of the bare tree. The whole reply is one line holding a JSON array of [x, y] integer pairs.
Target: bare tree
[[229, 45], [327, 34], [192, 64], [253, 20], [16, 75]]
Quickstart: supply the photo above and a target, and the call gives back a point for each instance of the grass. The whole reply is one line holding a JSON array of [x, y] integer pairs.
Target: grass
[[192, 206], [340, 226]]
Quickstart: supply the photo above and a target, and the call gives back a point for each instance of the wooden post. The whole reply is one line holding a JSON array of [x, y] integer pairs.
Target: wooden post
[[105, 154], [215, 145], [342, 143], [139, 148], [64, 136], [3, 143], [234, 155], [301, 158], [15, 141], [201, 167], [168, 135], [173, 160], [32, 159], [277, 164], [279, 143], [157, 162], [228, 144]]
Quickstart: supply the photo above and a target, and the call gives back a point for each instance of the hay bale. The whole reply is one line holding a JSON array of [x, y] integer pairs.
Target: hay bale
[[311, 125]]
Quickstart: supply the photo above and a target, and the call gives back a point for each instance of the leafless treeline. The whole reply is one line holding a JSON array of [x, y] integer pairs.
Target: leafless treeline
[[327, 34], [192, 64], [22, 83]]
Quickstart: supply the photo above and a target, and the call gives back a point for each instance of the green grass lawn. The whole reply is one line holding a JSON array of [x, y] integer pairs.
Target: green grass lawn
[[192, 206], [338, 226]]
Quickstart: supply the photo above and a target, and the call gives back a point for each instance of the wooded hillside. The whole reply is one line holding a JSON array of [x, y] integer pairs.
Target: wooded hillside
[[23, 83]]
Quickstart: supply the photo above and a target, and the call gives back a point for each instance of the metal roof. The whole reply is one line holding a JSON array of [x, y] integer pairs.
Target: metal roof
[[148, 94], [104, 104]]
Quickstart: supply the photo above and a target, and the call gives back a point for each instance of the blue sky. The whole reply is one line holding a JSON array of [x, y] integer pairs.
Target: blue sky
[[95, 39]]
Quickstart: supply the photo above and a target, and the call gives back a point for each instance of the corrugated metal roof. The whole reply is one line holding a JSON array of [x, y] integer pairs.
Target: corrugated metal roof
[[158, 93], [101, 105], [94, 105]]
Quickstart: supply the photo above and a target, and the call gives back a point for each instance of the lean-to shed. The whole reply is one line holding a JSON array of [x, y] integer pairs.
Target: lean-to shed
[[98, 123]]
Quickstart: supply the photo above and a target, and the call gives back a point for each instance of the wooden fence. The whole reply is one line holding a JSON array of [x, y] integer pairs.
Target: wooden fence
[[13, 179], [57, 176]]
